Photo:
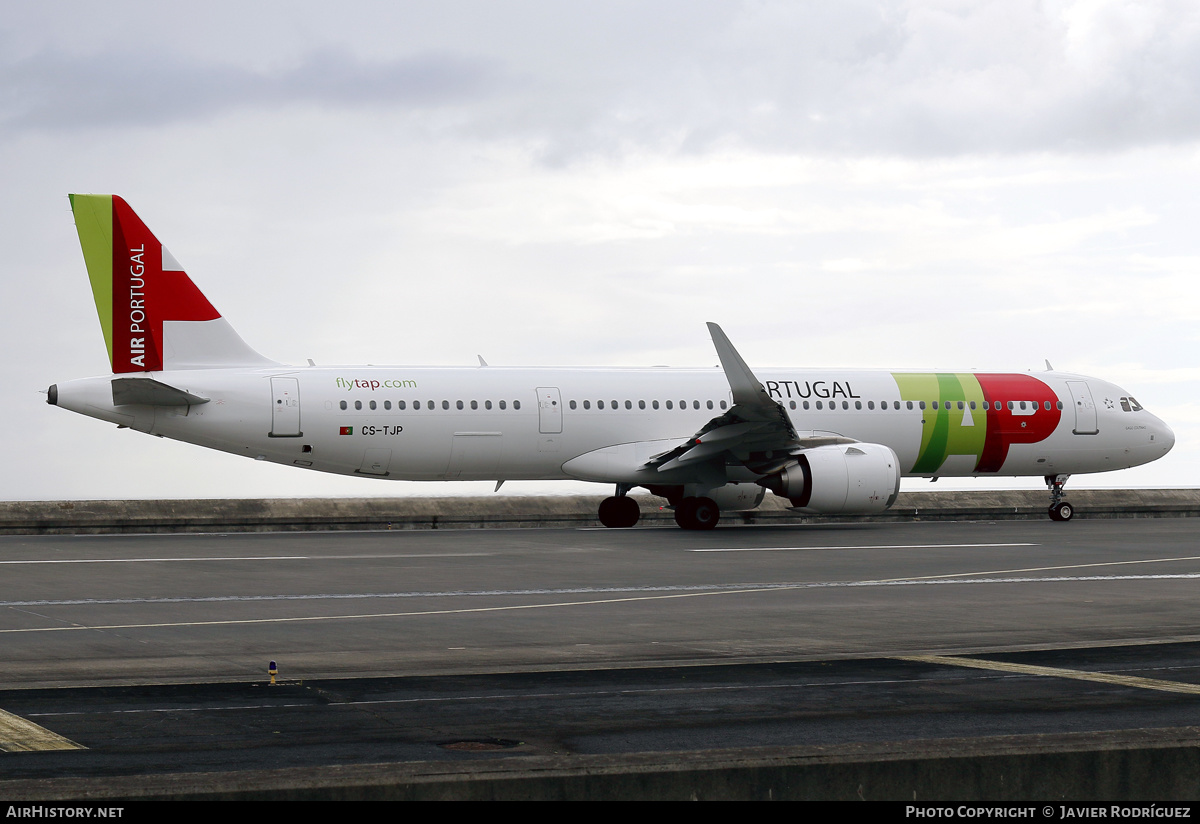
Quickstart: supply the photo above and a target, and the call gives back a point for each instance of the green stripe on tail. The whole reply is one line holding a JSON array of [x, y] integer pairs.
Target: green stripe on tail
[[94, 222]]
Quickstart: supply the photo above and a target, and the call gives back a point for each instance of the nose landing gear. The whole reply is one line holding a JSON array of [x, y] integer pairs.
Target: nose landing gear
[[1060, 510]]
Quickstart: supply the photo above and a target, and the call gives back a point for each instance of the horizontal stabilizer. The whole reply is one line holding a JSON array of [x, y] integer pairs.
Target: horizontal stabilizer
[[149, 392]]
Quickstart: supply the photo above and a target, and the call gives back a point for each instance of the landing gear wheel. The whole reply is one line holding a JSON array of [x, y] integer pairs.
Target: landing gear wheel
[[619, 512], [697, 513], [683, 513], [1061, 511]]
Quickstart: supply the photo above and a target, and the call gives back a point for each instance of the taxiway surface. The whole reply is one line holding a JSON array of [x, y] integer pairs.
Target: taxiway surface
[[118, 609], [397, 645]]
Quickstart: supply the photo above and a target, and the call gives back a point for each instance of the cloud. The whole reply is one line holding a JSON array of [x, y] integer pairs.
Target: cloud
[[919, 79], [59, 91]]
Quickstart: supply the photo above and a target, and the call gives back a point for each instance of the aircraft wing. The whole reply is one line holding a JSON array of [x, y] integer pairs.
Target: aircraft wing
[[755, 432]]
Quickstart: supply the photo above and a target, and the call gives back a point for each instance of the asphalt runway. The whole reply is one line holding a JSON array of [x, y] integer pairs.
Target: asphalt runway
[[475, 644]]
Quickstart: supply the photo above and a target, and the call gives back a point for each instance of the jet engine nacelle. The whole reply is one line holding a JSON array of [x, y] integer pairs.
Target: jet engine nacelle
[[857, 478]]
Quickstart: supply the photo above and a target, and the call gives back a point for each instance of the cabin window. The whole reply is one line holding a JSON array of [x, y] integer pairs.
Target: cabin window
[[722, 404], [487, 404], [516, 404], [1060, 405], [654, 404], [805, 404], [599, 404], [358, 404], [615, 405], [819, 405], [629, 404], [641, 404], [502, 405], [572, 404], [1010, 405], [1047, 406], [695, 404], [710, 405], [372, 404], [587, 404], [870, 404], [342, 404], [858, 404], [921, 404], [792, 404], [400, 405], [670, 405]]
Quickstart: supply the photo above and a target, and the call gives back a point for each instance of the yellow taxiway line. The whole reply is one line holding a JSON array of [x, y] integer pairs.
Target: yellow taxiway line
[[1056, 672], [19, 735]]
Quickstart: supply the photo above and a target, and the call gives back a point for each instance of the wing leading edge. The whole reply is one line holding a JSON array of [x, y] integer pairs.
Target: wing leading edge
[[756, 432]]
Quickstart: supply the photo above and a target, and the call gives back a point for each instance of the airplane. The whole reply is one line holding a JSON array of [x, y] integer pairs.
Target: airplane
[[833, 442]]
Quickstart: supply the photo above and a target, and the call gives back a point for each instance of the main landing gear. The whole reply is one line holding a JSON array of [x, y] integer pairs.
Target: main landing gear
[[697, 513], [1060, 510], [619, 511]]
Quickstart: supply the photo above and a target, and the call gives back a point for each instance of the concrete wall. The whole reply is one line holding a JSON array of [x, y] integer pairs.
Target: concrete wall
[[283, 514], [1147, 766]]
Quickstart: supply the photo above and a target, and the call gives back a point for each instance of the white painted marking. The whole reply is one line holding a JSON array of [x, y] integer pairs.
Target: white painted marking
[[518, 696], [1063, 566], [744, 586], [737, 590], [871, 546], [397, 556]]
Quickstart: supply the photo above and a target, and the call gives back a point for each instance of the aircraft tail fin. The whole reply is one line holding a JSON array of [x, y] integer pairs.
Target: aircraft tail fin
[[153, 316]]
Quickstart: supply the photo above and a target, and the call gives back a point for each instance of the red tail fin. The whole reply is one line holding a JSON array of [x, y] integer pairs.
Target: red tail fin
[[153, 316]]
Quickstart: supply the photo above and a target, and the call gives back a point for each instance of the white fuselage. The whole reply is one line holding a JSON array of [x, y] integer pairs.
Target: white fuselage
[[492, 423]]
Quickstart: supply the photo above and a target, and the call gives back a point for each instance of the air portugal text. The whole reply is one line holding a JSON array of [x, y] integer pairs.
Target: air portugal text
[[810, 389], [137, 305]]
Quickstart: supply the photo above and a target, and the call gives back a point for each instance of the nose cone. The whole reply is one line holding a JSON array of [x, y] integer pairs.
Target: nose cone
[[1165, 436]]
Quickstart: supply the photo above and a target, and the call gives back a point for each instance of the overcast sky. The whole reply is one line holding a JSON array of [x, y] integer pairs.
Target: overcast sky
[[965, 185]]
